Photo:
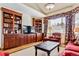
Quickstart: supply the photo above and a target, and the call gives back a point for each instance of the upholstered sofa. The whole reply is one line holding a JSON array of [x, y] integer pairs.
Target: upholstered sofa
[[69, 53], [70, 50], [54, 37]]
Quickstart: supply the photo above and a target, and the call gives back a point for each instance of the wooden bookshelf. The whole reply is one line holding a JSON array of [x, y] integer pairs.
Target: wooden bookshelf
[[37, 23], [12, 21]]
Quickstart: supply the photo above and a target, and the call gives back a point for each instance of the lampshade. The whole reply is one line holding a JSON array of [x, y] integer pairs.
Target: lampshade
[[49, 6]]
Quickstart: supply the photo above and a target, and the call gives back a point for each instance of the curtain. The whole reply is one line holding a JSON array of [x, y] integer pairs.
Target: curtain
[[45, 26], [70, 24]]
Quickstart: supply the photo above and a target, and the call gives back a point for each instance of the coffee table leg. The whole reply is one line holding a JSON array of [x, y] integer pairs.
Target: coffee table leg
[[58, 48], [48, 53], [35, 51]]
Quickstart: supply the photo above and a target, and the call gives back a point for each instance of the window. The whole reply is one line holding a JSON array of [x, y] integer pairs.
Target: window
[[76, 29], [56, 25]]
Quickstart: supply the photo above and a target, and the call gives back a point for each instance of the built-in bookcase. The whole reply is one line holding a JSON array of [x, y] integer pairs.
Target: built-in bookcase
[[12, 21], [37, 23]]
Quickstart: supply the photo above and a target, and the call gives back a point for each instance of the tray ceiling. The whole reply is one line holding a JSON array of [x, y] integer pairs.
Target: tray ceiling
[[41, 7]]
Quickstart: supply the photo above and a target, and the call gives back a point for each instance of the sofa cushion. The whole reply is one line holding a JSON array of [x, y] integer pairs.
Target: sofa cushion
[[72, 47], [51, 36]]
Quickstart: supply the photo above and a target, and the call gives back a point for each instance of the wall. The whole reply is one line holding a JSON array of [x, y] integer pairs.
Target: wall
[[27, 20], [0, 28]]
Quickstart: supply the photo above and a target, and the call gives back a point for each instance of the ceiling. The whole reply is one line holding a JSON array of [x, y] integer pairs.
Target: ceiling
[[41, 7]]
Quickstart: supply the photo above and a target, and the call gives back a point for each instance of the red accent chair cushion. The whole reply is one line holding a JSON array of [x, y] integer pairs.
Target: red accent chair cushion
[[4, 54]]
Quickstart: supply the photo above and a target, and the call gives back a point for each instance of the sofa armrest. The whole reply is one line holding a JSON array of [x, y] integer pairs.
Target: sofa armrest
[[72, 47], [70, 53]]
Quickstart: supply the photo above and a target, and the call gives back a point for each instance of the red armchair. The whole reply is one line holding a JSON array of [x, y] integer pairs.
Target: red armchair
[[70, 50], [54, 37], [4, 54]]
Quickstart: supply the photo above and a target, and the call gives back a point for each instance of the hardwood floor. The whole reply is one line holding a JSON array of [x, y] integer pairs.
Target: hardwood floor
[[14, 51], [31, 52], [20, 47]]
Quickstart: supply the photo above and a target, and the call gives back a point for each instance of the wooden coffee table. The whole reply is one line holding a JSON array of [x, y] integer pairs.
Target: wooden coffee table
[[47, 46]]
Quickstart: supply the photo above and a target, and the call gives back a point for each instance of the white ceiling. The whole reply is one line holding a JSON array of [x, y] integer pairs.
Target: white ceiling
[[41, 7]]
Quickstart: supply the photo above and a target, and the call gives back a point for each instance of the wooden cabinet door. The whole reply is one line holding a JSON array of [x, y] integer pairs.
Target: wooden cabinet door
[[25, 38], [30, 38], [6, 42], [17, 40], [39, 36], [34, 38], [9, 41], [12, 41], [21, 39]]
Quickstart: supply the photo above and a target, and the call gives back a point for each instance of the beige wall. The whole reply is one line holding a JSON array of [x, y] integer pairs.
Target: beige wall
[[0, 28]]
